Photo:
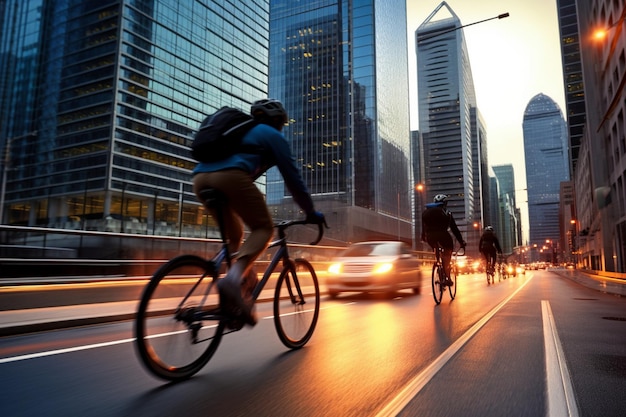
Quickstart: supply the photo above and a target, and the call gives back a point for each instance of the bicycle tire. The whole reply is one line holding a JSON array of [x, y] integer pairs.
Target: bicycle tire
[[166, 322], [296, 303], [436, 283], [452, 288]]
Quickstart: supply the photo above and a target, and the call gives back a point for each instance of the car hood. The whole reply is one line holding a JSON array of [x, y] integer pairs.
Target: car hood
[[365, 259]]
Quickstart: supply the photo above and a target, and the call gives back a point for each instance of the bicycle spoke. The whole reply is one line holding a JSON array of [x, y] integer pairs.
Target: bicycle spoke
[[174, 338]]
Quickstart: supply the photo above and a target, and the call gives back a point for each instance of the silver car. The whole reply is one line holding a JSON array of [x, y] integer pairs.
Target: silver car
[[384, 266]]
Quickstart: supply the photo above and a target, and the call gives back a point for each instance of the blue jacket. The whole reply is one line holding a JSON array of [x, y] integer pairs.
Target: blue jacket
[[274, 151]]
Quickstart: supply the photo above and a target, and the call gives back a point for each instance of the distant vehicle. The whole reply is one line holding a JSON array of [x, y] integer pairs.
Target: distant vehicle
[[467, 265], [380, 266], [463, 265]]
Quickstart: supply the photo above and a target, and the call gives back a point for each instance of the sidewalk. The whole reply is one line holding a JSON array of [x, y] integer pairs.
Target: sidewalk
[[603, 284], [14, 322]]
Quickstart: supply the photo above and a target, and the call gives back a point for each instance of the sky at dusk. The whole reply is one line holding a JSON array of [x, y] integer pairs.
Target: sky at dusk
[[512, 59]]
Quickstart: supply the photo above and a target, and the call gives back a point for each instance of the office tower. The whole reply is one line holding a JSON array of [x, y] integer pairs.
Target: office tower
[[547, 164], [100, 100], [601, 205], [340, 67], [450, 125], [509, 220], [572, 77]]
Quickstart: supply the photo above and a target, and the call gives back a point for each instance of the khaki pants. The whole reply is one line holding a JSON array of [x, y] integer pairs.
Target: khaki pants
[[245, 204]]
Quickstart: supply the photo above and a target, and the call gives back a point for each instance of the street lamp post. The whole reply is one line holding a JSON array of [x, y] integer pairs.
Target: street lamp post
[[500, 16], [417, 234]]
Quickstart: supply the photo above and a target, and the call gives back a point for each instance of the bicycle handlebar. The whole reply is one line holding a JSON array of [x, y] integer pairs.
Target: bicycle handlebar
[[282, 226]]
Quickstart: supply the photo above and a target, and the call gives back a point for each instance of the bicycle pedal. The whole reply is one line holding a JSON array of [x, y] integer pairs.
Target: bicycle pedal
[[234, 324]]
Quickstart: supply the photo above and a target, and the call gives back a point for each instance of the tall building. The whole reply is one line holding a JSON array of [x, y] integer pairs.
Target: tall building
[[547, 164], [340, 67], [601, 171], [509, 224], [572, 77], [100, 99], [450, 125]]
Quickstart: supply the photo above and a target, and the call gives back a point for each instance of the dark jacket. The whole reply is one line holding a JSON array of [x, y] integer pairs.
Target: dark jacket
[[489, 242], [436, 220]]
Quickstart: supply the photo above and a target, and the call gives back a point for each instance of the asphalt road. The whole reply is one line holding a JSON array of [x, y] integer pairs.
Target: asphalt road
[[538, 345]]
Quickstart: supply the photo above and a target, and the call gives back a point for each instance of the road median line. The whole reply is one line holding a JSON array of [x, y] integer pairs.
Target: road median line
[[396, 405]]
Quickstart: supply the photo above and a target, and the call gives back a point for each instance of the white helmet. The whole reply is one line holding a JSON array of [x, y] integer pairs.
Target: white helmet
[[489, 229], [440, 198]]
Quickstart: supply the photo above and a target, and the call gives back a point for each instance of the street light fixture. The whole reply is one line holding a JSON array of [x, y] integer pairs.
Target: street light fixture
[[500, 16]]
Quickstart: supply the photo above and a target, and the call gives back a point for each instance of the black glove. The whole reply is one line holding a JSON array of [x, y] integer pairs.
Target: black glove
[[315, 217]]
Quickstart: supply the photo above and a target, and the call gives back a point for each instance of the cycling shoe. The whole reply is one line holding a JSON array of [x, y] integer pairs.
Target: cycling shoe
[[233, 304]]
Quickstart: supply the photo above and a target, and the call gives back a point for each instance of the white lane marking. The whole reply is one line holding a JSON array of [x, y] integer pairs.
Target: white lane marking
[[561, 399], [96, 345], [395, 406], [61, 351]]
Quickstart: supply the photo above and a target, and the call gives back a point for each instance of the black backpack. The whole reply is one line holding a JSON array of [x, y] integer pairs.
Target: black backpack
[[220, 135]]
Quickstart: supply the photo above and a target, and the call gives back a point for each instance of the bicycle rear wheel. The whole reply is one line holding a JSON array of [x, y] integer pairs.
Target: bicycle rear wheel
[[437, 278], [173, 340], [296, 303], [452, 288]]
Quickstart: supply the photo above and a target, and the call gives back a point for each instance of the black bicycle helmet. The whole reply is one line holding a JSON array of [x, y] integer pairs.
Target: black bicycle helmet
[[489, 229], [268, 107]]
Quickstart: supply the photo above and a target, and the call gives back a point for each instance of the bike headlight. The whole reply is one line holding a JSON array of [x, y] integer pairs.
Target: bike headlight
[[335, 268]]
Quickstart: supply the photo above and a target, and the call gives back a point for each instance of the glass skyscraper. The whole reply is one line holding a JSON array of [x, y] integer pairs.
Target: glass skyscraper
[[453, 134], [573, 76], [340, 67], [509, 219], [547, 165], [100, 99]]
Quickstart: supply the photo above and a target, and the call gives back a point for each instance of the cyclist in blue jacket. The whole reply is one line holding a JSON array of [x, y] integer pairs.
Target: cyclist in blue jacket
[[234, 177]]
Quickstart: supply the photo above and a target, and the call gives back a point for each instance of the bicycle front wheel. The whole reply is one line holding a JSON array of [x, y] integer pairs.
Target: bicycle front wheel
[[296, 303], [452, 288], [437, 278], [172, 336]]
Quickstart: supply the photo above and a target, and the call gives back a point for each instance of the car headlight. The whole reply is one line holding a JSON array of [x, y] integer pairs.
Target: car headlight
[[335, 268], [382, 268]]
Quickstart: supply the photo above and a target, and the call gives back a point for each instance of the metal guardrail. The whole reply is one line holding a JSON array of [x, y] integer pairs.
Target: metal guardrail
[[40, 252]]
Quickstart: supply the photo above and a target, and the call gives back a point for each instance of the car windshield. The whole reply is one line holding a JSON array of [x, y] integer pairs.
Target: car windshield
[[374, 249]]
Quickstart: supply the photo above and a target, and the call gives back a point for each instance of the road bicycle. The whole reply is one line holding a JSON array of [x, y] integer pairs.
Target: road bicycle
[[439, 283], [490, 270], [503, 269], [179, 323]]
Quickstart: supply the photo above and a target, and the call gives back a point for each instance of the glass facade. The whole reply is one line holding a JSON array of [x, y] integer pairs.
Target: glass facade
[[573, 76], [112, 93], [454, 140], [547, 165], [340, 68]]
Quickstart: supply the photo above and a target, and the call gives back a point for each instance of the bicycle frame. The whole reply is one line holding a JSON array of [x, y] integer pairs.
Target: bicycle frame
[[281, 254]]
